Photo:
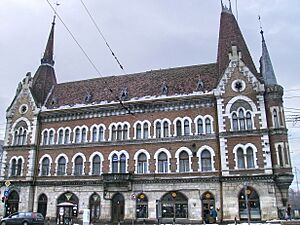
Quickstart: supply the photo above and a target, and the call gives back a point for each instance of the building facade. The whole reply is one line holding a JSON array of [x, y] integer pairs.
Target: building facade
[[166, 144]]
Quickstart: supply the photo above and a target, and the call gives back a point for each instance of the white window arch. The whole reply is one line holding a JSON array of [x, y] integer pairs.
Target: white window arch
[[162, 166], [275, 117], [119, 155], [94, 170], [45, 137], [74, 164], [199, 125], [16, 166], [141, 165], [245, 156], [20, 130], [97, 133], [184, 164], [206, 164], [42, 170], [119, 131], [208, 126], [61, 170]]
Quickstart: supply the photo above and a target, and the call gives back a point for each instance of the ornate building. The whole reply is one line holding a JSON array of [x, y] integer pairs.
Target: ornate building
[[168, 144]]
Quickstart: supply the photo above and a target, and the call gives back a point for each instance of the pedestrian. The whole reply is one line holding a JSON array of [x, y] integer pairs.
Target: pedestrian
[[289, 212], [213, 214]]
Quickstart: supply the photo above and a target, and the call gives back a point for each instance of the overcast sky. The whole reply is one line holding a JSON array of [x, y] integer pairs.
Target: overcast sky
[[145, 35]]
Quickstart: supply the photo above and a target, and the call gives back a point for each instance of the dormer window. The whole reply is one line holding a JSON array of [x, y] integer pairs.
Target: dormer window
[[200, 85], [88, 98], [164, 89], [124, 94]]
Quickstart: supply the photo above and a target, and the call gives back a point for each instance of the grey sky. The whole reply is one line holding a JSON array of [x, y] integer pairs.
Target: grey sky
[[145, 35]]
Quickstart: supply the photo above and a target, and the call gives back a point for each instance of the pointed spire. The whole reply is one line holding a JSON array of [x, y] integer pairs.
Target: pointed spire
[[266, 69], [48, 54], [231, 35]]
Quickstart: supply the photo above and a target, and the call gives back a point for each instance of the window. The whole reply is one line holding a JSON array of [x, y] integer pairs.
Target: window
[[240, 158], [61, 168], [178, 128], [142, 163], [125, 132], [146, 132], [45, 167], [206, 164], [174, 205], [95, 207], [280, 155], [235, 124], [83, 135], [20, 133], [94, 134], [60, 137], [77, 135], [207, 126], [162, 163], [186, 127], [200, 126], [96, 165], [138, 131], [114, 133], [45, 137], [13, 167], [166, 129], [158, 130], [51, 137], [119, 132], [141, 206], [249, 121], [19, 167], [101, 134], [250, 158], [184, 162], [254, 211], [123, 163], [115, 163], [78, 166], [241, 119], [67, 136], [275, 119]]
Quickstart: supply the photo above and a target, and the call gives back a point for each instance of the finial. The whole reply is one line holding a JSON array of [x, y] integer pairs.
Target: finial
[[222, 5], [261, 30], [230, 9]]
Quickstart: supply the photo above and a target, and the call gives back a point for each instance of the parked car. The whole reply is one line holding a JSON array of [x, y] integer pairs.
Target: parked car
[[23, 218]]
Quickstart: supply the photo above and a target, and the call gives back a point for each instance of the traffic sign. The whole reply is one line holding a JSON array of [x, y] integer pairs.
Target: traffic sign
[[7, 183]]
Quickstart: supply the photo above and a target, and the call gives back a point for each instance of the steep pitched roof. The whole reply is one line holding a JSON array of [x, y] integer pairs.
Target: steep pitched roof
[[182, 80], [267, 70], [229, 35], [45, 78]]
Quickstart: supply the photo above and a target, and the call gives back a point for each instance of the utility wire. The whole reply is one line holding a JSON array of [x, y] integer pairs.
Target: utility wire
[[101, 34]]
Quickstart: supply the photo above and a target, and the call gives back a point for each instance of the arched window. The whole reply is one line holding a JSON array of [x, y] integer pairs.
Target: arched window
[[162, 163], [242, 119], [123, 163], [138, 131], [12, 203], [20, 133], [60, 137], [42, 205], [94, 134], [61, 168], [119, 132], [94, 207], [280, 155], [200, 126], [67, 136], [51, 137], [250, 158], [178, 128], [45, 167], [208, 202], [19, 167], [174, 205], [158, 130], [115, 163], [96, 165], [206, 164], [125, 132], [207, 126], [77, 135], [253, 210], [78, 166], [184, 162], [83, 135], [240, 158], [23, 137], [142, 163], [16, 138], [114, 133], [146, 132], [249, 121], [45, 137], [13, 167], [186, 127], [166, 129], [235, 124], [141, 206], [101, 134], [275, 118]]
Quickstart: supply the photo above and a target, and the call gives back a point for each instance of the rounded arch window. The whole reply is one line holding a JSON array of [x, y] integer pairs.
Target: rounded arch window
[[250, 196], [141, 206], [94, 204], [174, 205]]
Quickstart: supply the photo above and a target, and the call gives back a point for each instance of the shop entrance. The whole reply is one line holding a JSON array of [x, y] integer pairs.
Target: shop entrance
[[67, 209], [208, 203], [117, 208]]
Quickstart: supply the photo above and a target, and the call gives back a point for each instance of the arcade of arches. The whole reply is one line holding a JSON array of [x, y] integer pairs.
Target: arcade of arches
[[173, 204]]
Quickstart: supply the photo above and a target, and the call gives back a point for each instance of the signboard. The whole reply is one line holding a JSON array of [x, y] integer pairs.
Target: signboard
[[7, 183]]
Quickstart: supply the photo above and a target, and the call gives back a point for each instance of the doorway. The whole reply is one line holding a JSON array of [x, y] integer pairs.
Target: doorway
[[117, 208], [208, 202], [12, 203]]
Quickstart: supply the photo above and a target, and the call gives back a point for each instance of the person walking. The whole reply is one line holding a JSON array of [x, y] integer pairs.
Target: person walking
[[213, 214], [289, 212]]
